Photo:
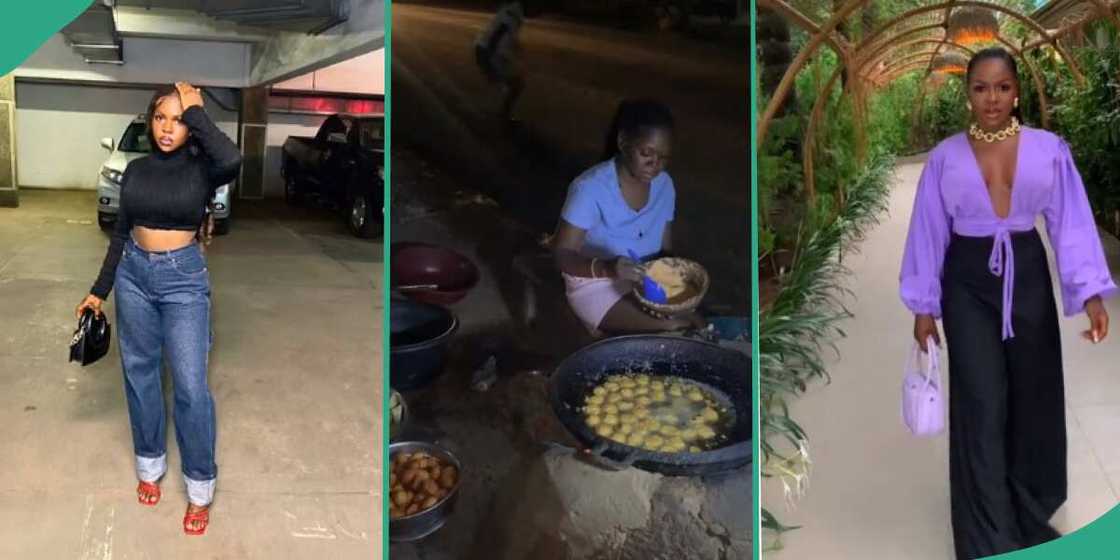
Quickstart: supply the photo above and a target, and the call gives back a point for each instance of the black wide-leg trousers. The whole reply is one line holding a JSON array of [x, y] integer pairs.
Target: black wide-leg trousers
[[1007, 434]]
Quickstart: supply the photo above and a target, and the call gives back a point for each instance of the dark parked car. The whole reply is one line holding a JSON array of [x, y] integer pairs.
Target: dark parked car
[[342, 165]]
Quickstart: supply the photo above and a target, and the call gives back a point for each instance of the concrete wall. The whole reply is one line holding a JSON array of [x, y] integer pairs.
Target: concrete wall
[[280, 127], [362, 74], [59, 129], [146, 61]]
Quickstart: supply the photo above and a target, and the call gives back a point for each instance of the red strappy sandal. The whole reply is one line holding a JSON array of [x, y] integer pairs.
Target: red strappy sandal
[[192, 516], [149, 489]]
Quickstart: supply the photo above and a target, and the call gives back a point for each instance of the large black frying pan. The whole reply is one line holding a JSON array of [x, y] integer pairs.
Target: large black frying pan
[[724, 372]]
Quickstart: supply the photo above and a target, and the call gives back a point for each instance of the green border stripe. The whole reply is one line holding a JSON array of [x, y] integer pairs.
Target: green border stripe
[[27, 25], [1097, 540], [756, 465], [386, 389]]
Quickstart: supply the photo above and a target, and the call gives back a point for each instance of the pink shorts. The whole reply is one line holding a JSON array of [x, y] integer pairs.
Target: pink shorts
[[592, 298]]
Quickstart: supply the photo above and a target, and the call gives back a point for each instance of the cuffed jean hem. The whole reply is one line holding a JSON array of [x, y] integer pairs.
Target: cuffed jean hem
[[200, 492], [151, 469]]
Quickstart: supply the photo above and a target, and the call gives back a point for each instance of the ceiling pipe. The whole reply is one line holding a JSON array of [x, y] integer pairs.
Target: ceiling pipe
[[333, 12], [299, 5], [93, 35]]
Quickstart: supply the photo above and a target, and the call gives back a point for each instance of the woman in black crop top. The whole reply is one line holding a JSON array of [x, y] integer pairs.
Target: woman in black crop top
[[163, 292]]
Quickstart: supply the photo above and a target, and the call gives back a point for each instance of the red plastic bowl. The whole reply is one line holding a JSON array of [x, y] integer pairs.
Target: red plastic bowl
[[422, 263]]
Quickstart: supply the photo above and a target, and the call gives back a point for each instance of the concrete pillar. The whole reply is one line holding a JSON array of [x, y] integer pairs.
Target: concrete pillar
[[253, 141], [9, 195]]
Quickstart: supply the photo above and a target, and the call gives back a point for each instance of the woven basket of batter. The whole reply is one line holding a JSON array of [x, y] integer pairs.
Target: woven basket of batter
[[694, 275]]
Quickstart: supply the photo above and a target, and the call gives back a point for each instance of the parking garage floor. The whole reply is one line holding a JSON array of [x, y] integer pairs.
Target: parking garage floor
[[296, 376]]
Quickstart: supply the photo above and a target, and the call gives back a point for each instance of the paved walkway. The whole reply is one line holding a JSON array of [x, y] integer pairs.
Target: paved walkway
[[876, 491]]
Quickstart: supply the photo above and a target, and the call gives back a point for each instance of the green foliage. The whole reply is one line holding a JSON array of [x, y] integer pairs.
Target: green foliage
[[1088, 117], [804, 319], [779, 182], [835, 162], [948, 112], [804, 314], [889, 117]]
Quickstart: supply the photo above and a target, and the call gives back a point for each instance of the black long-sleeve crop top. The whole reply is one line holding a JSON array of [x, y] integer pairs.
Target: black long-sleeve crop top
[[171, 190]]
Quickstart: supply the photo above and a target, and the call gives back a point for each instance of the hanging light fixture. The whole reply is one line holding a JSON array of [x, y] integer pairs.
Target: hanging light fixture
[[968, 26], [950, 63]]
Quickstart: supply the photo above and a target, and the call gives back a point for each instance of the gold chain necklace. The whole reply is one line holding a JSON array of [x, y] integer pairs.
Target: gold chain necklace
[[998, 136]]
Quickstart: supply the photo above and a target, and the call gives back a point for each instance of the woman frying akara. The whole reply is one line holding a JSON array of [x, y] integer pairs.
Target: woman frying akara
[[163, 292], [622, 206], [974, 260]]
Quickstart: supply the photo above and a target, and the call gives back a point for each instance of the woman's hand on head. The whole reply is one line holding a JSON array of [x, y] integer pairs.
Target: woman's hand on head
[[1098, 320], [91, 302], [189, 96], [925, 326]]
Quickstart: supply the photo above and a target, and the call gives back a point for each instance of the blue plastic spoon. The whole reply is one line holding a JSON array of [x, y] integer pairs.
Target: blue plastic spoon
[[650, 288]]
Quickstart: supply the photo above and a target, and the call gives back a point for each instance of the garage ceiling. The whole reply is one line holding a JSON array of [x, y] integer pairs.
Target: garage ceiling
[[309, 16], [94, 34]]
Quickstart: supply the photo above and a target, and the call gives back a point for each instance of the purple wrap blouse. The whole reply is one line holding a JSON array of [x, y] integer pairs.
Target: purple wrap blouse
[[952, 197]]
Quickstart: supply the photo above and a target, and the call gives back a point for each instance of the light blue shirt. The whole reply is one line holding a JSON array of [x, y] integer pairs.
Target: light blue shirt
[[595, 204]]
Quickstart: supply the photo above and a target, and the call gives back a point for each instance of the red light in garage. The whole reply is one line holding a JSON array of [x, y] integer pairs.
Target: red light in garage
[[325, 105], [321, 105], [363, 106]]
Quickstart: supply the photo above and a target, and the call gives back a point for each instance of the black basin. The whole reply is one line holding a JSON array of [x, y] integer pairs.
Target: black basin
[[418, 338]]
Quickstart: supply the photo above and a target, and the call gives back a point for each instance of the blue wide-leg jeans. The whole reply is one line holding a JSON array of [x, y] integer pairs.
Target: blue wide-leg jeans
[[163, 313]]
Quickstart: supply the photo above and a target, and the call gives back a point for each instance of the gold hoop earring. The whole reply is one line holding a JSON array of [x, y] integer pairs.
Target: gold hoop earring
[[1016, 102], [968, 104]]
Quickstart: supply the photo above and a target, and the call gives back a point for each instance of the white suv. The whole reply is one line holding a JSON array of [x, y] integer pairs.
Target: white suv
[[134, 144]]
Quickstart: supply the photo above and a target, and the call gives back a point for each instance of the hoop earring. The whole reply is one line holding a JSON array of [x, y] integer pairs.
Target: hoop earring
[[968, 104], [1016, 102]]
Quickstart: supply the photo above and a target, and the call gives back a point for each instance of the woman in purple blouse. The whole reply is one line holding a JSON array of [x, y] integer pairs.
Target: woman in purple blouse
[[975, 260]]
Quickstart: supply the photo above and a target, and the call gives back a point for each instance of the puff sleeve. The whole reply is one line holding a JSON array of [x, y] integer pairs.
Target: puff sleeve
[[1082, 268], [926, 242]]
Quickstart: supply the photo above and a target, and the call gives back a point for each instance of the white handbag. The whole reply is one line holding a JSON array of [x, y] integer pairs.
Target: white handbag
[[923, 409]]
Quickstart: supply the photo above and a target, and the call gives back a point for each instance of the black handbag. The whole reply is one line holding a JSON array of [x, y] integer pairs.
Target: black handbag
[[91, 339]]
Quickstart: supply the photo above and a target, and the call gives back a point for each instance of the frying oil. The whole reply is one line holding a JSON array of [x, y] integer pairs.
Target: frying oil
[[658, 413]]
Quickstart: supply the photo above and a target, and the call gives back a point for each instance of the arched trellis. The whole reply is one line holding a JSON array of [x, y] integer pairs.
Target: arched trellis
[[1105, 8], [838, 44], [947, 6], [863, 57], [846, 10], [925, 56], [889, 41], [900, 71], [1053, 39], [808, 142], [1067, 29], [872, 59]]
